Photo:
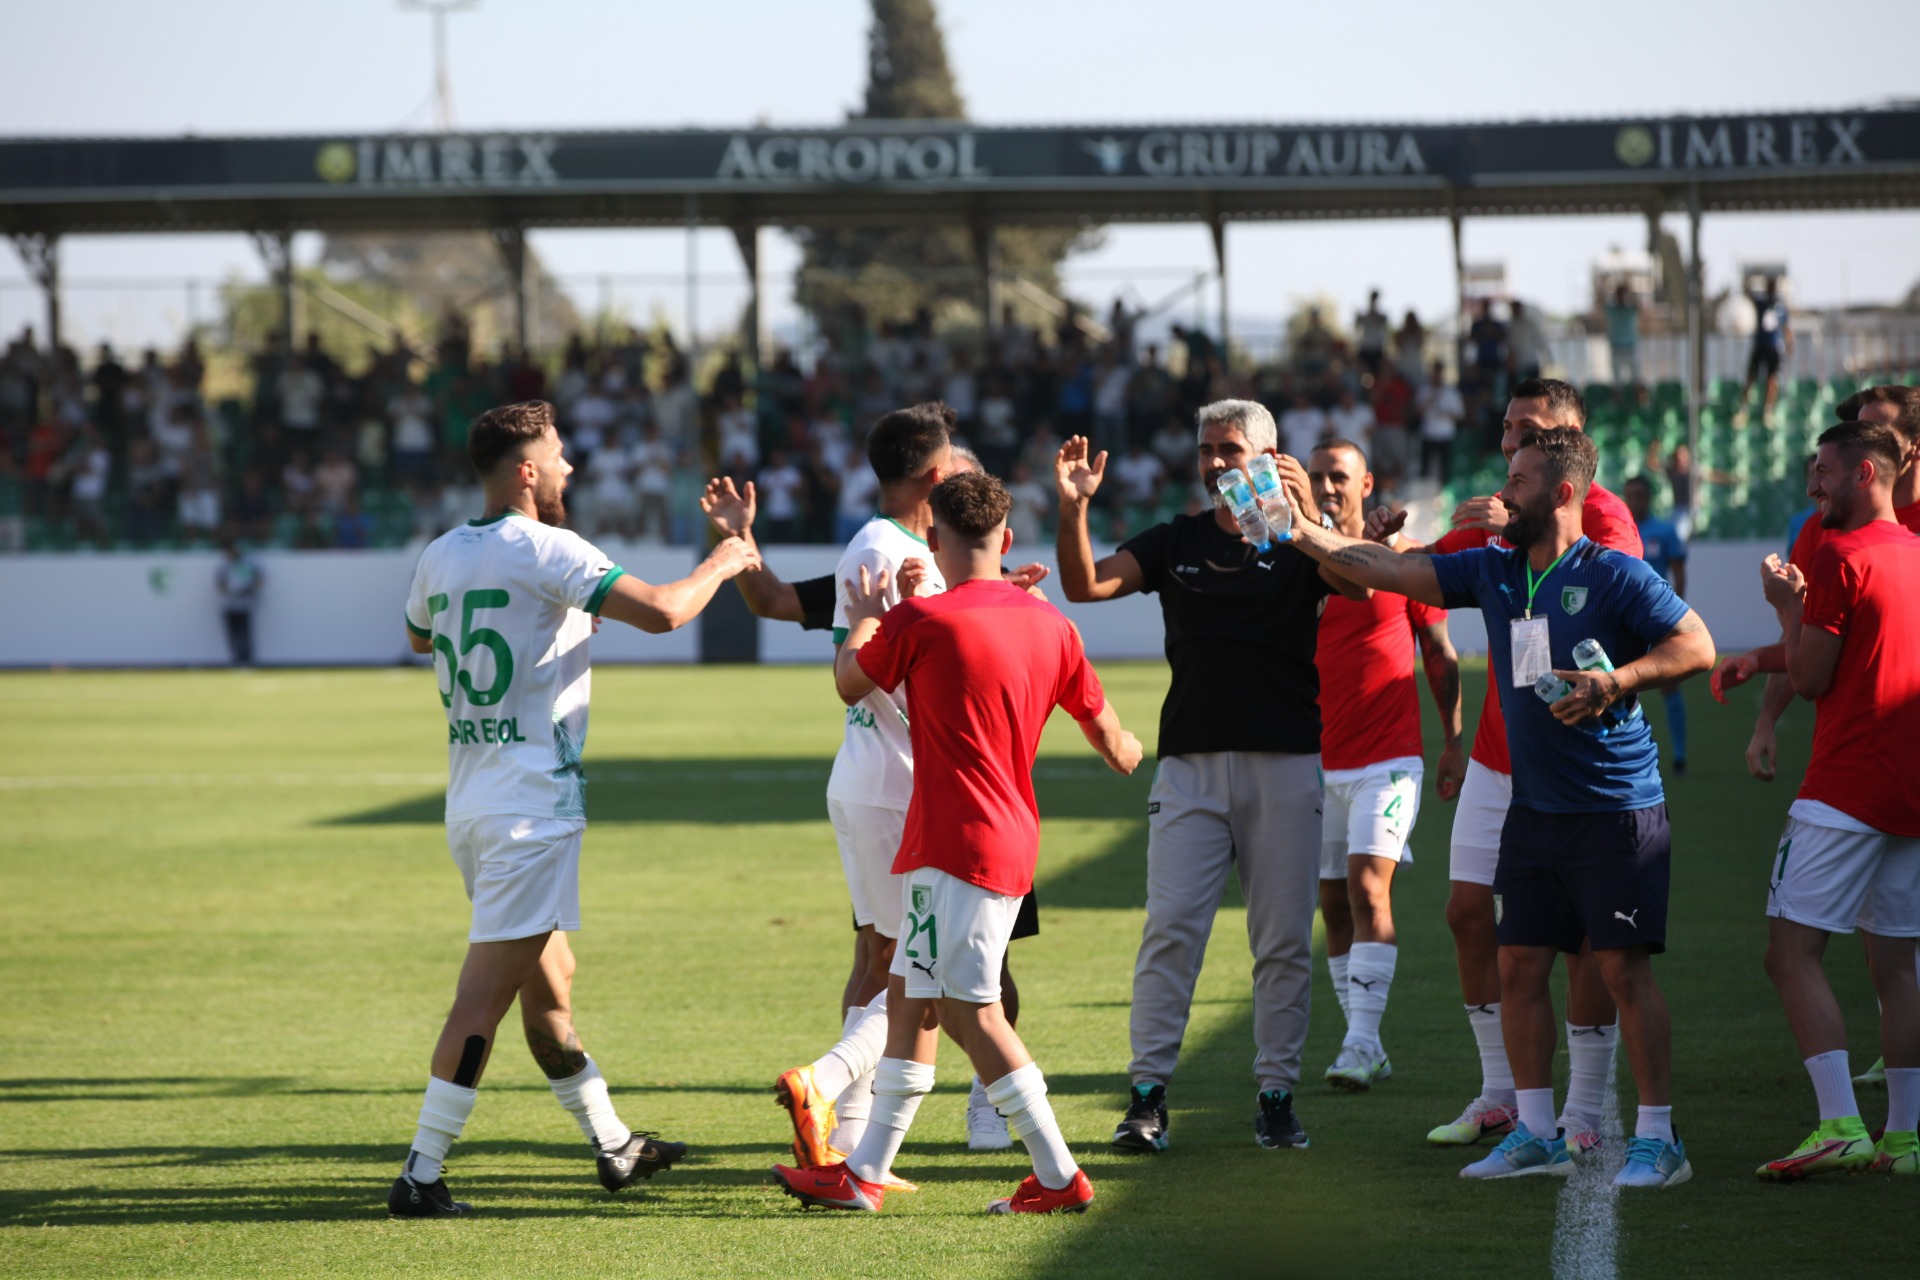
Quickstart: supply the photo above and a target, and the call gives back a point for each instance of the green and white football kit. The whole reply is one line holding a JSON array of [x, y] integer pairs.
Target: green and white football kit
[[1370, 810], [508, 605], [872, 780]]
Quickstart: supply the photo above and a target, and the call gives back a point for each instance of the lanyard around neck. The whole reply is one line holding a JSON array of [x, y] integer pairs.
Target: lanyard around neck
[[1534, 584]]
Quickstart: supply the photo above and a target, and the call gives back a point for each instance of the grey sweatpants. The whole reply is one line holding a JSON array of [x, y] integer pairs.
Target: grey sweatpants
[[1258, 813]]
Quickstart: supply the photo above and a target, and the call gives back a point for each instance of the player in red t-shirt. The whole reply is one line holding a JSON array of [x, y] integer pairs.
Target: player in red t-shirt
[[1892, 406], [1371, 758], [1851, 849], [983, 665], [1592, 1023]]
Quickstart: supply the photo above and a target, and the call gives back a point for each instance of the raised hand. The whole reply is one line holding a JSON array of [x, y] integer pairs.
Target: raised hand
[[866, 596], [1481, 513], [1731, 674], [1028, 578], [1383, 526], [913, 576], [1075, 475], [1299, 489], [1784, 584], [730, 511]]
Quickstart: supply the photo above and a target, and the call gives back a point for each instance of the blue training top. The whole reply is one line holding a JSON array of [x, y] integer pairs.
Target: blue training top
[[1591, 594], [1663, 544]]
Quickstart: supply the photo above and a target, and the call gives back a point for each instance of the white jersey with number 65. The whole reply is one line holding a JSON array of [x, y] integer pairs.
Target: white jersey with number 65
[[506, 602]]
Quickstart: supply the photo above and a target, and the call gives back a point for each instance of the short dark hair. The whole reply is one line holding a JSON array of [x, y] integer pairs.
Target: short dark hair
[[1570, 456], [1563, 398], [1340, 442], [903, 442], [1642, 481], [972, 504], [1907, 398], [1880, 445], [506, 430]]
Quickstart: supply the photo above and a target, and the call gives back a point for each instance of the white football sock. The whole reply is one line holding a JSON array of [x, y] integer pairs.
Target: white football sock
[[850, 1112], [1021, 1096], [1833, 1085], [1536, 1111], [443, 1115], [1903, 1099], [1590, 1061], [1655, 1122], [1370, 978], [898, 1086], [585, 1097], [1496, 1075], [1337, 966], [977, 1096], [863, 1039]]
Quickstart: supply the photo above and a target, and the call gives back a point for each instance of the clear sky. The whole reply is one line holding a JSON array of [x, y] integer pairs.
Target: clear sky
[[104, 67]]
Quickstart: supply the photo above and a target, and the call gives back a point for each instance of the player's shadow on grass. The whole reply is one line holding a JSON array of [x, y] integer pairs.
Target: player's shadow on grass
[[732, 791]]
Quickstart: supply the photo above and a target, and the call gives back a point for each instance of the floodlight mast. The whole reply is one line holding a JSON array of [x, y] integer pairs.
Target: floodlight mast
[[442, 86]]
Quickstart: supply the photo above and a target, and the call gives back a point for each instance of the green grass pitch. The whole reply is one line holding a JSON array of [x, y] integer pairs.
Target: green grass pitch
[[231, 930]]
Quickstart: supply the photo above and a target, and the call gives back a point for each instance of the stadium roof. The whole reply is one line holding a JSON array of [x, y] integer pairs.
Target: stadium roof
[[894, 172]]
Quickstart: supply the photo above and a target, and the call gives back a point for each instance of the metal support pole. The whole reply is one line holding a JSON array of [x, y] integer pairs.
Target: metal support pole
[[40, 251], [1217, 225], [511, 241], [1696, 345], [693, 285], [1455, 225], [986, 257], [754, 335], [276, 250]]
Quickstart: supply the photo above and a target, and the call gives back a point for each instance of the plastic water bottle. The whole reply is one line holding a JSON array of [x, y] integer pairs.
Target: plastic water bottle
[[1264, 474], [1245, 508], [1588, 655], [1550, 688]]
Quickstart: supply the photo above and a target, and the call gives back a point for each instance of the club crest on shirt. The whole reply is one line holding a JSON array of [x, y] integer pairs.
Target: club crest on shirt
[[1573, 599]]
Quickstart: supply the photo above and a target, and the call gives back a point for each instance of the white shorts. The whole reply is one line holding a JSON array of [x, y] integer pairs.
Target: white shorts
[[955, 938], [1832, 878], [1369, 811], [522, 874], [869, 840], [1478, 817]]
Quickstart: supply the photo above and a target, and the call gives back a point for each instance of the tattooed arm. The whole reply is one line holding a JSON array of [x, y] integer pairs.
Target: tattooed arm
[[1368, 564], [1686, 650]]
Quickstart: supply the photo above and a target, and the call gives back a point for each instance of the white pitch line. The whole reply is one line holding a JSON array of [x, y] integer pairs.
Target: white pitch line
[[1586, 1233]]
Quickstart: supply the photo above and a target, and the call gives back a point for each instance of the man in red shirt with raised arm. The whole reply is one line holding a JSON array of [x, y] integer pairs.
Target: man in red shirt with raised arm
[[983, 665]]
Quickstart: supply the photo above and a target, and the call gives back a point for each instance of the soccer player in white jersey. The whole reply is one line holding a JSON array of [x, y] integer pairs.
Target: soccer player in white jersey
[[506, 604], [869, 790]]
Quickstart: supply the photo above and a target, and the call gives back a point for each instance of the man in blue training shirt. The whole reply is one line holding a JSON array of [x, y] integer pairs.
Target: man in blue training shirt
[[1666, 555], [1585, 850]]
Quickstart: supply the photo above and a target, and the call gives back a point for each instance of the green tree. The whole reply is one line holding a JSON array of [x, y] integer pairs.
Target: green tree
[[875, 274]]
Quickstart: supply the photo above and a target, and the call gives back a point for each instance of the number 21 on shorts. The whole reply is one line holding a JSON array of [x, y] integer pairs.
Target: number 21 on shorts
[[920, 920]]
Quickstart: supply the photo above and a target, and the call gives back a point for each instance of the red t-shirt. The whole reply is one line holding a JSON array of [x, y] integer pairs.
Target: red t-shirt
[[1864, 587], [1369, 700], [1606, 520], [1811, 535], [984, 664]]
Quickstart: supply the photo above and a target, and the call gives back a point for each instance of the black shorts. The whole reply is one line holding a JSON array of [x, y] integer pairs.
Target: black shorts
[[1763, 360], [1568, 878], [1025, 925]]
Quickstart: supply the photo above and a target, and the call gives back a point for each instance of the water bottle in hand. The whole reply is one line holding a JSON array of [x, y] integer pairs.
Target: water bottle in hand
[[1588, 655], [1246, 509], [1550, 688], [1264, 475]]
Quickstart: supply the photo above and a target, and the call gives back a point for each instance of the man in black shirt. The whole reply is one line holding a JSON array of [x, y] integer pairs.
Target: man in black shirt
[[1238, 782]]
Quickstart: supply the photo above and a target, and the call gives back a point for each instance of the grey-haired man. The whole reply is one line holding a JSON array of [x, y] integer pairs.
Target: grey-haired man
[[1238, 782]]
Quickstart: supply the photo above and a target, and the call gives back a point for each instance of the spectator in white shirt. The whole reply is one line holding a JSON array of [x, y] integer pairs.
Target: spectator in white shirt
[[1526, 342], [1140, 474], [779, 484], [1302, 426], [1441, 410], [859, 492], [653, 482], [1349, 419]]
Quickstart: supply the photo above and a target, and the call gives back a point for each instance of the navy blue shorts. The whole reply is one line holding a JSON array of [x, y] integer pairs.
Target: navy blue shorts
[[1568, 878]]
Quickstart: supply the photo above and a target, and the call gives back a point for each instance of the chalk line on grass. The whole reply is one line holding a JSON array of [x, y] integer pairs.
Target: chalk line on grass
[[1586, 1233]]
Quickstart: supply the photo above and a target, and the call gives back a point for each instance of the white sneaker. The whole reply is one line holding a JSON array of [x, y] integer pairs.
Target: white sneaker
[[987, 1130]]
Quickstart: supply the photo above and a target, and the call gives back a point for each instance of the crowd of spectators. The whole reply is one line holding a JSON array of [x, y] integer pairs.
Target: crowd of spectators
[[108, 453]]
